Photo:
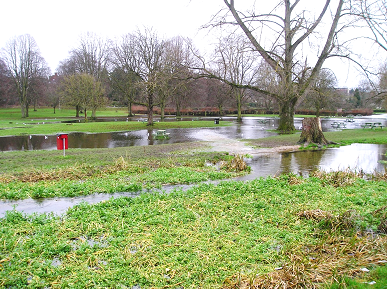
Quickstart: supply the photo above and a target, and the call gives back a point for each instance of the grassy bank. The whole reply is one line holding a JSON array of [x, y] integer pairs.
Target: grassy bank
[[231, 235], [344, 137], [43, 174], [98, 127], [43, 121]]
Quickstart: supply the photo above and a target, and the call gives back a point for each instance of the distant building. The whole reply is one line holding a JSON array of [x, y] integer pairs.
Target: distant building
[[54, 78], [343, 90]]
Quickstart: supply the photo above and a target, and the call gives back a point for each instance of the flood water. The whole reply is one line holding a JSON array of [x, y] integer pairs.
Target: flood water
[[250, 128], [360, 157]]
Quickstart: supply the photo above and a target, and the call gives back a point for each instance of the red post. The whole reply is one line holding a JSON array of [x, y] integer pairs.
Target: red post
[[62, 142]]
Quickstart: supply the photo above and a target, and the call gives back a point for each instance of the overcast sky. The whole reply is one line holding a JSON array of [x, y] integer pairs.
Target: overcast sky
[[57, 25]]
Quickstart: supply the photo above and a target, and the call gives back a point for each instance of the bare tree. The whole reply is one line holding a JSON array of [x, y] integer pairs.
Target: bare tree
[[26, 65], [141, 53], [382, 87], [219, 93], [53, 95], [125, 85], [236, 63], [175, 75], [323, 92], [288, 28], [6, 91], [374, 13], [91, 56]]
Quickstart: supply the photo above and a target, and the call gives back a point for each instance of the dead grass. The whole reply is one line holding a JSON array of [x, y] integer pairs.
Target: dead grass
[[316, 215], [382, 215], [236, 164], [338, 178], [321, 264], [76, 172]]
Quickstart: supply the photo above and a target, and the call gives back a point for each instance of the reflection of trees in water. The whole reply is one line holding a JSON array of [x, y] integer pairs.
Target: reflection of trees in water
[[35, 142], [83, 140], [301, 162], [102, 140]]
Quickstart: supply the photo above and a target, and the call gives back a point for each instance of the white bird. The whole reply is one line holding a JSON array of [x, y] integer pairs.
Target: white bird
[[30, 136], [45, 137]]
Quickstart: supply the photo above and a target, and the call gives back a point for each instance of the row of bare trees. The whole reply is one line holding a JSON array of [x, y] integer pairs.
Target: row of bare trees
[[275, 53], [23, 71]]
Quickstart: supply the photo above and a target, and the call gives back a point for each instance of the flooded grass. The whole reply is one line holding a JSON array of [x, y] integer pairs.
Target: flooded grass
[[83, 172], [344, 137], [260, 234], [326, 231], [28, 128]]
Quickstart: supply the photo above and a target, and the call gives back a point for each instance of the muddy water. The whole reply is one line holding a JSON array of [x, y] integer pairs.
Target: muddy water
[[365, 157]]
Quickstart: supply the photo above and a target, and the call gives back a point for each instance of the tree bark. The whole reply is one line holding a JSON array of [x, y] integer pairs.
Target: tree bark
[[312, 132], [77, 109], [239, 105], [130, 109], [162, 112], [286, 113], [150, 109]]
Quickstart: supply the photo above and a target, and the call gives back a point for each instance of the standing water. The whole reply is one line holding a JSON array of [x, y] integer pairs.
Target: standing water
[[364, 157]]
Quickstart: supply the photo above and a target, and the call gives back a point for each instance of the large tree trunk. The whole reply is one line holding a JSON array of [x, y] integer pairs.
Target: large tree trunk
[[220, 107], [77, 109], [286, 114], [312, 132], [239, 105], [130, 109], [178, 113], [150, 110], [162, 111], [23, 110]]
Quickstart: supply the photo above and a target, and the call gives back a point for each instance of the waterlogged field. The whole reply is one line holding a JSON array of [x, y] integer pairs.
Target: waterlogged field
[[326, 231], [43, 174], [303, 232], [344, 137], [44, 122]]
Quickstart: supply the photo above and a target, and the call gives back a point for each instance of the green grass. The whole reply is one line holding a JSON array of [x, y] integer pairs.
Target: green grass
[[44, 121], [344, 137], [45, 112], [43, 174], [231, 235], [99, 127], [211, 236], [375, 279]]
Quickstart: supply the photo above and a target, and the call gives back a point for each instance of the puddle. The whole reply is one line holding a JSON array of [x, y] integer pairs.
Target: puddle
[[55, 205], [365, 157]]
